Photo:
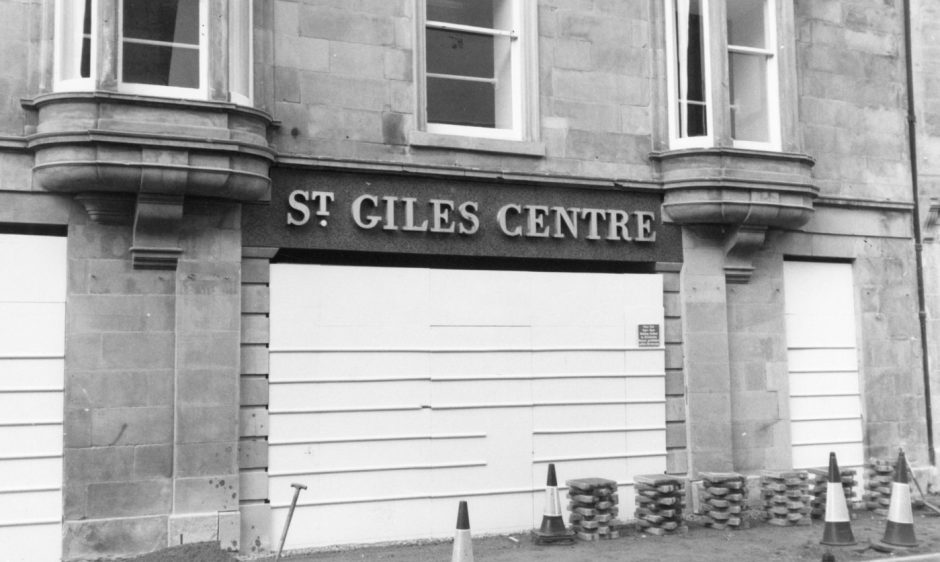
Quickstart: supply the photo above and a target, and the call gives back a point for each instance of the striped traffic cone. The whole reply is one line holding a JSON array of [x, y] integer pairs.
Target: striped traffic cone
[[838, 530], [899, 530], [553, 524], [463, 546]]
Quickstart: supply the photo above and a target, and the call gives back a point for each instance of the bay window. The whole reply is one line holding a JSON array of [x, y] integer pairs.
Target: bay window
[[477, 68], [702, 113], [157, 47]]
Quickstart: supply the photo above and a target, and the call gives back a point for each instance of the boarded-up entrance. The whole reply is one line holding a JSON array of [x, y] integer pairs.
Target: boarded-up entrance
[[397, 392]]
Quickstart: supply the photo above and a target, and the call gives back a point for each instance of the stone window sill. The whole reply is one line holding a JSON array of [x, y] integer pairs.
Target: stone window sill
[[423, 139]]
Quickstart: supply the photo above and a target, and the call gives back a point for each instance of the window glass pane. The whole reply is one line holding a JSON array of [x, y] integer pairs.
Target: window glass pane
[[478, 13], [174, 21], [85, 70], [691, 69], [459, 102], [749, 102], [746, 23], [161, 66], [463, 54]]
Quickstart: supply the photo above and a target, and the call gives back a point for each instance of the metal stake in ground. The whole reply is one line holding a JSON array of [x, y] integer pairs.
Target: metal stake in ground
[[297, 488]]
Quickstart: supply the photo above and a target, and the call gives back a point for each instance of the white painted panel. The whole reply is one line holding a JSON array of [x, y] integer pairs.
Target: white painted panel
[[347, 424], [822, 360], [828, 431], [825, 406], [320, 366], [847, 454], [487, 348], [32, 543], [30, 407], [29, 440], [31, 473], [31, 329], [338, 396], [41, 506], [39, 274], [823, 384], [18, 374]]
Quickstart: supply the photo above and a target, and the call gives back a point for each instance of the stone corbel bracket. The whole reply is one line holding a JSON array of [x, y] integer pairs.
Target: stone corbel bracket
[[134, 160], [745, 192], [933, 217]]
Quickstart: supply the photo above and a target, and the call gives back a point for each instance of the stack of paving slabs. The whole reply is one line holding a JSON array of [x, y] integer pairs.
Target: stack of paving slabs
[[594, 509], [879, 474], [724, 499], [786, 497], [820, 483], [659, 502]]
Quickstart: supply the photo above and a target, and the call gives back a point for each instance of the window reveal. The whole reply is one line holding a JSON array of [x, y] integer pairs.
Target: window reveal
[[471, 64], [161, 43]]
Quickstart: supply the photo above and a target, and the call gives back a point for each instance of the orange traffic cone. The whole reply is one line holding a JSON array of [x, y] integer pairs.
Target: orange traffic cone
[[553, 524], [838, 530], [463, 546], [899, 531]]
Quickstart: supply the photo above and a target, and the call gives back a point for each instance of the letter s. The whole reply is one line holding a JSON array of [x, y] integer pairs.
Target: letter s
[[468, 212], [296, 200]]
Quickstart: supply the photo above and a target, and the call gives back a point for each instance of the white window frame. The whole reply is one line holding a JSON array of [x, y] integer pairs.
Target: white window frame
[[168, 91], [520, 36], [67, 46], [241, 63], [772, 79], [677, 142]]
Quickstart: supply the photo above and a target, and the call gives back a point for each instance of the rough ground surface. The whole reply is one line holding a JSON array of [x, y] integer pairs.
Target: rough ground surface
[[762, 542]]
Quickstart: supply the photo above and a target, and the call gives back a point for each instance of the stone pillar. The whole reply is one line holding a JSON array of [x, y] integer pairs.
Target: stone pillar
[[705, 339], [152, 388]]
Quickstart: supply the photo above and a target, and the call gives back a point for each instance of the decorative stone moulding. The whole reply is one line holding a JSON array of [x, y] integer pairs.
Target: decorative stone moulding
[[744, 191], [134, 160]]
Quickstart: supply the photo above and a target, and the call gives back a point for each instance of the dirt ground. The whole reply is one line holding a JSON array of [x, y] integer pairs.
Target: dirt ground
[[761, 542]]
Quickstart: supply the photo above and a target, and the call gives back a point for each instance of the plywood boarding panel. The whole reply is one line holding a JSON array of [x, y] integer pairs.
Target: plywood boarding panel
[[32, 348], [468, 384], [825, 405]]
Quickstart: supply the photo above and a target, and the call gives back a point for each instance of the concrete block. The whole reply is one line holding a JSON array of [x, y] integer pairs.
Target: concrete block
[[193, 528], [206, 459], [131, 426], [100, 464], [152, 462], [399, 65], [77, 427], [115, 277], [675, 409], [255, 329], [204, 494], [256, 271], [216, 350], [128, 499], [256, 529], [204, 424], [343, 91], [256, 299], [86, 540], [97, 389], [253, 391], [572, 54], [253, 453], [253, 422], [230, 530], [357, 59], [756, 406], [676, 435], [253, 485], [345, 25], [675, 382], [677, 461], [138, 350], [287, 84], [207, 387], [196, 313], [254, 359]]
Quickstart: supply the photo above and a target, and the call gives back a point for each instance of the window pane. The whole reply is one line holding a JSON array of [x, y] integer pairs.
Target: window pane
[[174, 21], [459, 102], [746, 23], [478, 13], [240, 48], [462, 54], [749, 103], [161, 66], [85, 70], [691, 69]]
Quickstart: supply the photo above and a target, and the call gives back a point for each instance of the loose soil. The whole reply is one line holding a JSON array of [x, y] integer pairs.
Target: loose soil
[[761, 542]]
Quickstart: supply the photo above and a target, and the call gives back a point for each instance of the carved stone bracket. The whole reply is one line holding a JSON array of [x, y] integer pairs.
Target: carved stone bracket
[[740, 246], [157, 222], [933, 217]]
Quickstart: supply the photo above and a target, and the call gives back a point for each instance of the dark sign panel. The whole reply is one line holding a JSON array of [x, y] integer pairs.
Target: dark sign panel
[[426, 216]]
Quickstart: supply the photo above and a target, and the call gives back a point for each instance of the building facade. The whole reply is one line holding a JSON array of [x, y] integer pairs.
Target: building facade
[[406, 252]]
